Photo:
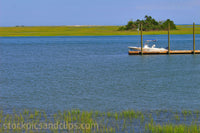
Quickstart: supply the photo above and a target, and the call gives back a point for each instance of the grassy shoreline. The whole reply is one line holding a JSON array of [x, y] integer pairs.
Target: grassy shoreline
[[85, 31], [157, 121]]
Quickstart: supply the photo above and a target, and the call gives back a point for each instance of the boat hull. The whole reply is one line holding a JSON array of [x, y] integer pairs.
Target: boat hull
[[146, 49]]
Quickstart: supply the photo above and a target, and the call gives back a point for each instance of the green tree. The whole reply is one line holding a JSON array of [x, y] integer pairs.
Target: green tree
[[148, 23], [130, 25], [165, 24]]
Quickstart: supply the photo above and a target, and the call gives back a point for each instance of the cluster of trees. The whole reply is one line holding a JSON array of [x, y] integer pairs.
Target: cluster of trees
[[19, 26], [148, 24]]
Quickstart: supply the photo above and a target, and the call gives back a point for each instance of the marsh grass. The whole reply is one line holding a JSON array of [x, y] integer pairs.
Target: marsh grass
[[84, 31], [159, 121]]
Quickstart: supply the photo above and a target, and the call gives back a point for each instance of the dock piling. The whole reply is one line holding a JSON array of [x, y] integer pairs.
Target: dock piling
[[193, 38], [141, 39], [168, 38]]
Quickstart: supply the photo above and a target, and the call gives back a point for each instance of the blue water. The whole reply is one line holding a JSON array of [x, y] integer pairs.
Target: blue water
[[96, 73]]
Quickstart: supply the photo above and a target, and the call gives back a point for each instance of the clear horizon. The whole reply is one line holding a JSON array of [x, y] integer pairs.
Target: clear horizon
[[78, 25], [96, 12]]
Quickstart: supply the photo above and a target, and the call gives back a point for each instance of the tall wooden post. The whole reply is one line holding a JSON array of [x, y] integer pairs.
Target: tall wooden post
[[141, 39], [168, 38], [193, 38]]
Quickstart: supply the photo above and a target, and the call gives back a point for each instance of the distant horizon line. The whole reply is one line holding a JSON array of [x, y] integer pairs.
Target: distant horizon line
[[73, 25]]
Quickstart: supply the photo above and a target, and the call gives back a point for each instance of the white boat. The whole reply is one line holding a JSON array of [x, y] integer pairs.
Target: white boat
[[147, 48]]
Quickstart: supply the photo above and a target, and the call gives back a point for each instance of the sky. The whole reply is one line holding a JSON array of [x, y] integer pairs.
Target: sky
[[95, 12]]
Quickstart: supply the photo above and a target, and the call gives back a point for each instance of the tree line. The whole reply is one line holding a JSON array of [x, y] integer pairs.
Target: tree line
[[148, 23]]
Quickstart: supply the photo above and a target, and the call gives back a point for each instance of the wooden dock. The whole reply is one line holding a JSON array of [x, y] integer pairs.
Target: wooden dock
[[164, 52], [142, 52]]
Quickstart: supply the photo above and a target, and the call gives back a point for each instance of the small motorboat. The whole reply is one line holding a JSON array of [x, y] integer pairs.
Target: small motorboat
[[147, 48]]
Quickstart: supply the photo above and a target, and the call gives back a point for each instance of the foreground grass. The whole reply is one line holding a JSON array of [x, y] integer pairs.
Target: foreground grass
[[76, 121], [84, 31]]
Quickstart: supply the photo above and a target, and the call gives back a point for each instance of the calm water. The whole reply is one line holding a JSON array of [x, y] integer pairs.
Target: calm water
[[96, 73]]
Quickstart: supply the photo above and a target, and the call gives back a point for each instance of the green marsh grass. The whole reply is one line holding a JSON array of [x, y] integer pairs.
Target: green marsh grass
[[158, 121], [84, 31]]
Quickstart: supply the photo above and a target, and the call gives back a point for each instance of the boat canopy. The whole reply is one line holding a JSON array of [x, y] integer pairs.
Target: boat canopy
[[150, 40]]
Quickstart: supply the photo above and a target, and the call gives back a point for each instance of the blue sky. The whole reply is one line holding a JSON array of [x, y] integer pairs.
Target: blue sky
[[95, 12]]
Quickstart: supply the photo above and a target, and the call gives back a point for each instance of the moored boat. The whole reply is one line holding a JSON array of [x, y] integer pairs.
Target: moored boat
[[147, 48]]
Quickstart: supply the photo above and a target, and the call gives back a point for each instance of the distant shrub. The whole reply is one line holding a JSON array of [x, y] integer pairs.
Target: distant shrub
[[122, 28], [148, 24]]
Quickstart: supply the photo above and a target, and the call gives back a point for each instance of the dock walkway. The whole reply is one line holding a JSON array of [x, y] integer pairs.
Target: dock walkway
[[164, 52]]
